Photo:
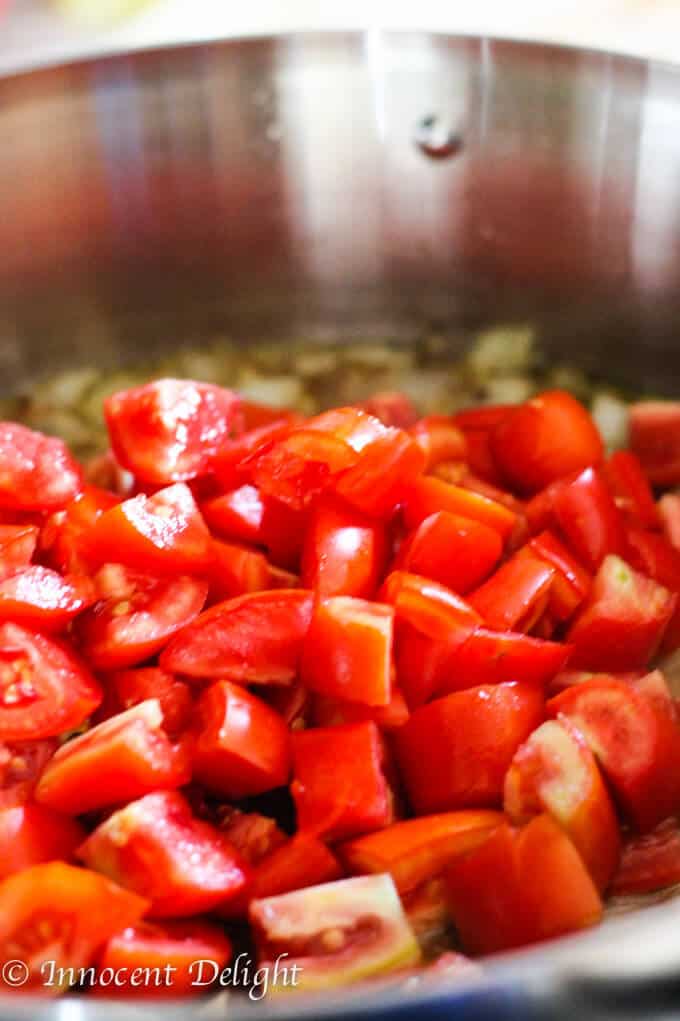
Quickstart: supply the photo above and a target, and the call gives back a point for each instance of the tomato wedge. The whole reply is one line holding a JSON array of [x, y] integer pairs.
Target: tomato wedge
[[301, 861], [127, 688], [458, 552], [158, 849], [42, 598], [344, 551], [655, 439], [427, 495], [170, 430], [631, 489], [137, 614], [31, 834], [44, 688], [515, 594], [59, 913], [236, 515], [122, 758], [63, 538], [431, 608], [495, 657], [21, 765], [256, 638], [440, 440], [160, 533], [36, 472]]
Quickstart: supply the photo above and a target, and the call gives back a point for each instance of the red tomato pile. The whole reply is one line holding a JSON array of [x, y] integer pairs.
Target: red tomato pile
[[302, 650]]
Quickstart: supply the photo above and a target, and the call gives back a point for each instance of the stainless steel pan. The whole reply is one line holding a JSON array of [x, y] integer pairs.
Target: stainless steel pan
[[357, 186]]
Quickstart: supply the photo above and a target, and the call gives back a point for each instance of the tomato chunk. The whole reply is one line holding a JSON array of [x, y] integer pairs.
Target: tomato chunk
[[455, 551], [60, 913], [156, 848], [21, 765], [440, 440], [570, 583], [301, 861], [241, 746], [256, 638], [327, 711], [669, 513], [63, 539], [44, 688], [160, 533], [236, 571], [545, 439], [554, 771], [236, 515], [348, 650], [42, 598], [136, 615], [121, 758], [427, 495], [636, 744], [589, 518], [344, 551], [454, 752], [415, 850], [339, 785], [520, 887], [170, 430], [431, 608], [299, 466], [622, 623], [170, 951], [392, 408], [631, 490], [650, 861], [31, 834], [127, 688], [17, 546], [511, 598], [655, 439], [36, 472], [495, 657]]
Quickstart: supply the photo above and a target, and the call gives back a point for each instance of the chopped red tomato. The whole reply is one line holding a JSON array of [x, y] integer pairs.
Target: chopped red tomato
[[631, 489], [378, 482], [636, 744], [136, 615], [454, 752], [128, 688], [62, 914], [416, 850], [158, 849], [327, 711], [554, 771], [63, 538], [669, 514], [171, 952], [230, 464], [344, 551], [44, 688], [255, 638], [37, 473], [392, 408], [654, 436], [650, 861], [515, 595], [298, 467], [623, 620], [348, 650], [520, 887], [589, 518], [458, 552], [241, 746], [427, 495], [17, 546], [21, 765], [236, 515], [339, 784], [42, 598], [31, 834], [170, 430], [495, 657], [236, 571], [122, 758], [570, 583], [545, 439], [301, 861], [431, 608], [439, 439], [162, 533]]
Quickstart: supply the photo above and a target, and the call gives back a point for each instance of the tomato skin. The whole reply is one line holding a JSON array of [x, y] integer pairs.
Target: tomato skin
[[650, 861], [507, 601], [344, 551], [37, 471], [654, 428], [44, 688], [31, 834], [525, 445], [416, 850], [17, 546], [236, 571], [241, 746], [431, 608], [427, 495], [301, 861], [571, 582], [554, 771], [454, 752], [236, 515], [170, 430], [254, 639], [333, 712], [495, 657], [636, 744], [439, 439], [156, 848], [122, 758], [339, 786], [41, 598], [589, 518], [348, 650], [61, 913], [457, 552], [149, 945], [520, 887], [137, 615], [127, 688], [160, 533], [623, 620], [21, 765], [631, 490]]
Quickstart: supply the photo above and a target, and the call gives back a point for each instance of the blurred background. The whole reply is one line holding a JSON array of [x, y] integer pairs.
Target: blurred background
[[41, 31]]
